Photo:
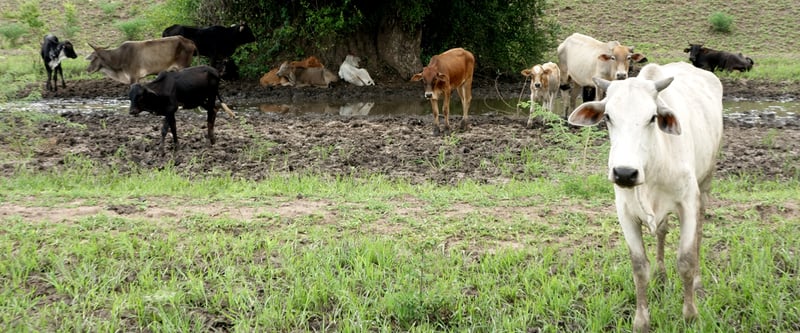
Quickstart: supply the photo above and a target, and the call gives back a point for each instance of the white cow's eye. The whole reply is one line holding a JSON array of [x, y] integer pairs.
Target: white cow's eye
[[607, 118], [653, 119]]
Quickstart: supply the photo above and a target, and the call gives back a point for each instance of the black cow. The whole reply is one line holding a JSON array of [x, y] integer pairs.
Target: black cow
[[53, 52], [190, 88], [216, 42], [709, 59]]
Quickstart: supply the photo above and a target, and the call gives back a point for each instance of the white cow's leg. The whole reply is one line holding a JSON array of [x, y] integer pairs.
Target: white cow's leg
[[688, 253], [533, 108], [661, 235], [641, 269], [574, 91]]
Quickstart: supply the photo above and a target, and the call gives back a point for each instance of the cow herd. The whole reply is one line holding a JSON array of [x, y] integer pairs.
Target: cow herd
[[664, 125]]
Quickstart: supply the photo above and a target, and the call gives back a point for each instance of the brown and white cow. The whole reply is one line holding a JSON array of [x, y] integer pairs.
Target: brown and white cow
[[134, 60], [545, 80], [665, 128], [445, 72], [271, 79], [301, 76], [582, 58]]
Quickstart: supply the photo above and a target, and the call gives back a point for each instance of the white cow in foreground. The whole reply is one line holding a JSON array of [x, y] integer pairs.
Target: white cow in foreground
[[545, 80], [665, 128], [582, 58], [350, 72]]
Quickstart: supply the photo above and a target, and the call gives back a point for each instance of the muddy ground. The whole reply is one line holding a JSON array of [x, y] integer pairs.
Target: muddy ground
[[258, 144]]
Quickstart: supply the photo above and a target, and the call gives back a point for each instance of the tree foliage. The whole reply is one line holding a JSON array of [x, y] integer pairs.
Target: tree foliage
[[504, 35]]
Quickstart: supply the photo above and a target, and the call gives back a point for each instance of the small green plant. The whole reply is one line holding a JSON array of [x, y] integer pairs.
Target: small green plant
[[12, 32], [30, 14], [109, 8], [721, 22], [71, 24], [132, 29]]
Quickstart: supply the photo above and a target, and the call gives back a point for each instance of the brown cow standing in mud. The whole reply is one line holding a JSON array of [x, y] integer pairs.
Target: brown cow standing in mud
[[445, 72]]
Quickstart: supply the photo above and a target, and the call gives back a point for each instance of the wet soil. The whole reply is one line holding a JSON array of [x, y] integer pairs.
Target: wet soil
[[258, 144]]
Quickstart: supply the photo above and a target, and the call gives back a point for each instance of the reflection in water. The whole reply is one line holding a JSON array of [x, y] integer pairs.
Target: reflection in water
[[356, 109], [769, 113], [349, 109]]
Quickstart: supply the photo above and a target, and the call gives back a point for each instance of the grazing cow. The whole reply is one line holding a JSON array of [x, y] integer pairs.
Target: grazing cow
[[53, 52], [545, 80], [190, 88], [709, 59], [350, 72], [306, 76], [134, 60], [445, 72], [581, 58], [216, 42], [665, 128]]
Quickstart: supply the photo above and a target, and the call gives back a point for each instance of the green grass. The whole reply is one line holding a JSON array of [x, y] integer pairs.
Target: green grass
[[370, 254], [86, 247]]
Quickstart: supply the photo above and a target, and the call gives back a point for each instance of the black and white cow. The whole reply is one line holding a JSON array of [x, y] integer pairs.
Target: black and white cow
[[53, 52]]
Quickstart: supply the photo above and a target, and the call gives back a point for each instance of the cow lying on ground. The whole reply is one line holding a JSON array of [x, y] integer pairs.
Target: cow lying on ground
[[350, 72], [53, 52], [545, 81], [665, 128], [582, 58], [217, 43], [132, 61], [447, 71], [271, 78], [303, 74], [190, 88], [708, 59]]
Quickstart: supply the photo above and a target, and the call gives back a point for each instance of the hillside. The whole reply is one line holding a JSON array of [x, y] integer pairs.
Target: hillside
[[760, 28]]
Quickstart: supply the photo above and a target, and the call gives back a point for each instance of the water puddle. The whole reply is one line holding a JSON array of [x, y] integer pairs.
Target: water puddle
[[747, 113]]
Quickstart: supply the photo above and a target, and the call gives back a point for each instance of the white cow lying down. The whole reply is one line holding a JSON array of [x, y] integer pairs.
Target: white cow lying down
[[665, 128], [350, 72]]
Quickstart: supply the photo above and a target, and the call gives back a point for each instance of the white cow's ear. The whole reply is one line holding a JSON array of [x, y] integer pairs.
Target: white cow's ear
[[667, 121], [601, 83], [663, 84], [588, 114]]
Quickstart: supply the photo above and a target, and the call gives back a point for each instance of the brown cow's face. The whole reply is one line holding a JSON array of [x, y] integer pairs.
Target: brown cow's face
[[621, 57], [94, 62], [430, 77]]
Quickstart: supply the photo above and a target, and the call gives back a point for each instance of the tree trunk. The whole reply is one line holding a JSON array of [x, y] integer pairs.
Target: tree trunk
[[398, 48]]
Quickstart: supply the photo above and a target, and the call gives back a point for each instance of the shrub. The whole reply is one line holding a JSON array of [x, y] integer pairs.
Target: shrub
[[71, 25], [132, 29], [30, 14], [12, 32], [108, 8], [721, 22]]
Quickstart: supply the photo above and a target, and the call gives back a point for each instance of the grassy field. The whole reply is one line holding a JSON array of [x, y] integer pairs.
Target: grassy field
[[87, 248]]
